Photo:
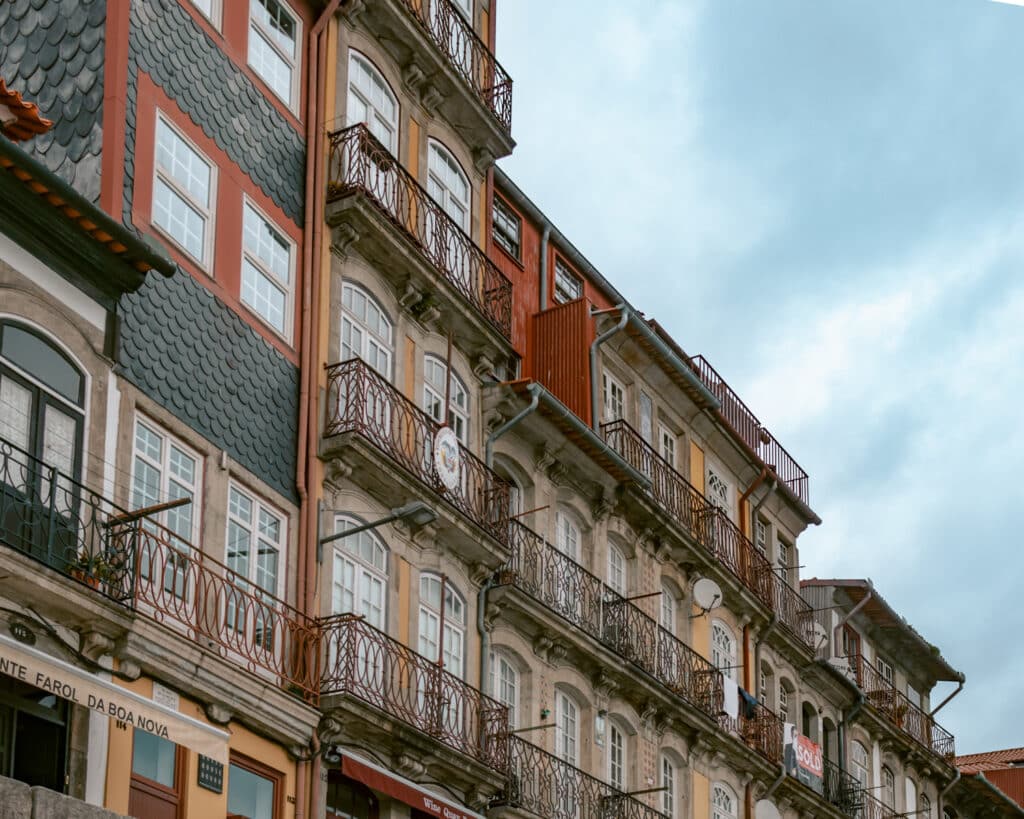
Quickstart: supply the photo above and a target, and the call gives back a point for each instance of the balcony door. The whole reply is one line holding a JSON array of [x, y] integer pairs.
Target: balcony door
[[42, 399], [367, 334], [372, 103], [448, 186], [442, 637]]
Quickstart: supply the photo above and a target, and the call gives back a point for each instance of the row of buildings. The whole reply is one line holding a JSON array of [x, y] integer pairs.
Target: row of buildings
[[336, 482]]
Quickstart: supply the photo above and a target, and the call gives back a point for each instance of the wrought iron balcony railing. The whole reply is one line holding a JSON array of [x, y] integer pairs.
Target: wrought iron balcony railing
[[841, 789], [751, 431], [49, 516], [362, 401], [546, 786], [360, 164], [365, 663], [709, 526], [566, 588], [910, 718], [759, 728], [467, 54]]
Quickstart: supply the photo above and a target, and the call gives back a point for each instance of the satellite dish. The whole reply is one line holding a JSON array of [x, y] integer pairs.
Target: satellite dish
[[707, 594], [820, 635], [766, 810]]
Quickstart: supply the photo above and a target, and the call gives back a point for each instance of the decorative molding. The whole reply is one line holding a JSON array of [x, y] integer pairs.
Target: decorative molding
[[343, 236], [218, 714], [94, 645]]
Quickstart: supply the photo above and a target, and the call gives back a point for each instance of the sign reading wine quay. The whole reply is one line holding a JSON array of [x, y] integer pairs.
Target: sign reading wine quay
[[34, 667]]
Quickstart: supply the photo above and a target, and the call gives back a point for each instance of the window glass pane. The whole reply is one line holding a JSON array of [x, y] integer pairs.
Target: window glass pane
[[266, 244], [250, 794], [153, 758], [182, 163], [184, 224], [15, 412], [263, 295], [59, 439], [43, 362], [270, 65], [277, 22]]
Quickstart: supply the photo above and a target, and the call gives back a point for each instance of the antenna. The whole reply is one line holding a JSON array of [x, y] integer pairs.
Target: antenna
[[707, 594]]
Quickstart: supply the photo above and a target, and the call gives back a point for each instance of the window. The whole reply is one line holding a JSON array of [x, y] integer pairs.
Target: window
[[567, 729], [761, 535], [646, 417], [860, 764], [614, 398], [910, 805], [164, 469], [783, 701], [268, 262], [723, 649], [360, 574], [255, 542], [885, 670], [567, 534], [252, 790], [453, 640], [616, 570], [925, 810], [719, 490], [668, 783], [465, 6], [764, 680], [888, 788], [210, 10], [506, 228], [783, 559], [667, 440], [449, 187], [616, 758], [568, 286], [33, 737], [667, 615], [723, 802], [274, 47], [913, 695], [434, 370], [371, 102], [183, 193], [505, 684], [366, 332], [156, 779]]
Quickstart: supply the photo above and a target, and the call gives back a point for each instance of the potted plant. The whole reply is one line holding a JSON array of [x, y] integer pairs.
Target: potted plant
[[91, 569]]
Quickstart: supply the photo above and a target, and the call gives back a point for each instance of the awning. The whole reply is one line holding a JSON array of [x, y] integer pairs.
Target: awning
[[397, 787], [35, 667]]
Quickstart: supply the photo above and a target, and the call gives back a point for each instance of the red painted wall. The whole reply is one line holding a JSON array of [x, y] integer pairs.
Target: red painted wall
[[561, 354], [1010, 781]]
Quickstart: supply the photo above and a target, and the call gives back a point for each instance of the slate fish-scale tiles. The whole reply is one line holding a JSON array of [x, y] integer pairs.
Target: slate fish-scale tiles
[[195, 356], [52, 52], [167, 44]]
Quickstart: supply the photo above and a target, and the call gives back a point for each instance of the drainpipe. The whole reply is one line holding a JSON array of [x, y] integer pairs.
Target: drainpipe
[[776, 783], [750, 490], [960, 687], [848, 718], [760, 639], [534, 390], [485, 637], [947, 789], [545, 237], [601, 339], [836, 640]]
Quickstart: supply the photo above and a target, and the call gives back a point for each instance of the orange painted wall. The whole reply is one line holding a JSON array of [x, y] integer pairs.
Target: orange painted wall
[[561, 350], [524, 273]]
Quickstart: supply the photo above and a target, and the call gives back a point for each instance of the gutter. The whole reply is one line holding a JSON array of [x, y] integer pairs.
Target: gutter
[[534, 390], [980, 777], [848, 718], [949, 787], [595, 404], [959, 688], [485, 636], [846, 618]]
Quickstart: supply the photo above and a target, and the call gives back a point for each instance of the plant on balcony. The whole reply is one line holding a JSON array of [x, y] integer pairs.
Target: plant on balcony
[[91, 569]]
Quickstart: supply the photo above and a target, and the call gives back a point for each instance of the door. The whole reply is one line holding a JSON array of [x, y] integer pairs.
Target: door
[[157, 777]]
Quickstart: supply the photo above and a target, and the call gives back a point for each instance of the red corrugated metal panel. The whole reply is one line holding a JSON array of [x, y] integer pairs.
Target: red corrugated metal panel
[[560, 359], [1010, 781]]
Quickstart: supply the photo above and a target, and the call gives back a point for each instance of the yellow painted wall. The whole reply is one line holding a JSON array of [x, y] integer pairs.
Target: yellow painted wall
[[119, 753], [413, 161], [700, 635], [410, 369], [404, 598], [697, 466], [701, 796]]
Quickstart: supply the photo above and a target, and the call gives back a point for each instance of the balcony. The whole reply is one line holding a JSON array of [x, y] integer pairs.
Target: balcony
[[713, 530], [560, 584], [362, 402], [440, 267], [140, 565], [752, 432], [542, 784], [897, 708], [362, 662], [758, 728]]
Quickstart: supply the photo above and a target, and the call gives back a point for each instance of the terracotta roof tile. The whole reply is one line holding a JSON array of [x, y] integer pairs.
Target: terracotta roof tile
[[26, 122], [990, 760]]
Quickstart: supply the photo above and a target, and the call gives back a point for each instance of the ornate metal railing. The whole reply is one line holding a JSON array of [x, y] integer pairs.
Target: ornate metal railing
[[839, 788], [360, 661], [51, 517], [711, 527], [546, 786], [759, 728], [362, 401], [562, 585], [359, 163], [865, 805], [911, 719], [751, 431], [472, 60]]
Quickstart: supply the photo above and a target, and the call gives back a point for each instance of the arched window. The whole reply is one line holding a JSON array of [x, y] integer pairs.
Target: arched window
[[667, 781], [765, 681], [448, 185], [888, 787], [617, 579], [370, 101], [860, 764], [723, 802], [926, 807], [723, 649], [366, 332], [616, 757], [567, 728], [786, 693], [434, 370], [809, 721], [668, 613], [567, 533], [505, 683], [453, 641], [910, 806], [360, 574]]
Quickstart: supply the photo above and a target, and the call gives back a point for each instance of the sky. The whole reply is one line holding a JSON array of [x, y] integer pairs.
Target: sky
[[827, 200]]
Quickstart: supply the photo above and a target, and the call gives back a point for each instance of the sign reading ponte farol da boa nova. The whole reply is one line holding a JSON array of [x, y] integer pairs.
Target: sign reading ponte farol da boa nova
[[34, 667]]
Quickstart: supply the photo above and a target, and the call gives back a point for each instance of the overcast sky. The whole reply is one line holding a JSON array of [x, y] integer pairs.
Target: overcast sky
[[827, 199]]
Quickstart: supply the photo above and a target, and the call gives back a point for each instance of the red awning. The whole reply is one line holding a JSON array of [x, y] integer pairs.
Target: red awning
[[383, 781]]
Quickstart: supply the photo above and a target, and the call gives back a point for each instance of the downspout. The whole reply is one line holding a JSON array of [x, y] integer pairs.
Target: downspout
[[775, 785], [597, 342], [545, 237], [848, 718], [750, 490], [947, 789], [941, 705], [760, 639], [534, 391]]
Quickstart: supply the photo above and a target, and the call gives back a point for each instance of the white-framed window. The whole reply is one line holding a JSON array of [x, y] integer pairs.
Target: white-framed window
[[360, 575], [885, 669], [164, 469], [667, 782], [913, 695], [466, 7], [888, 787], [925, 810], [723, 649], [667, 615], [910, 794], [453, 647], [434, 370], [567, 728], [371, 101], [718, 490], [567, 534], [506, 228], [783, 701], [667, 444], [860, 764], [268, 270], [783, 558], [366, 331], [723, 802], [614, 395], [616, 757], [617, 578], [761, 535], [211, 10], [448, 184], [568, 286], [275, 47], [505, 684], [764, 682], [183, 192]]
